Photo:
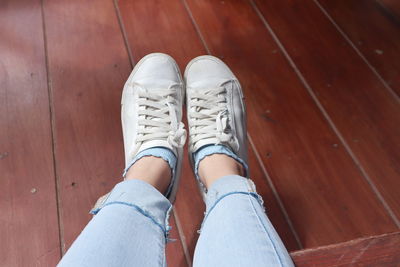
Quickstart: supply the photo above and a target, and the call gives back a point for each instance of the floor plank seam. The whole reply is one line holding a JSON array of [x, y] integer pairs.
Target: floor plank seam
[[327, 117], [53, 137], [275, 192], [123, 32], [182, 238], [266, 175], [359, 53], [197, 28], [388, 10]]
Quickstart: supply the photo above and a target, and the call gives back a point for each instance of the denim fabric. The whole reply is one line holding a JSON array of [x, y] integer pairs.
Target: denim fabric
[[214, 149], [236, 230], [130, 229]]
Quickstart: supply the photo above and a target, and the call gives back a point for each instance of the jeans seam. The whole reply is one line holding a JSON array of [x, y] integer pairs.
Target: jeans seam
[[140, 210], [266, 232]]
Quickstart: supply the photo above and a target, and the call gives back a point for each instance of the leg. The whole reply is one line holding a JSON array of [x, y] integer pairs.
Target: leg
[[130, 227], [235, 231]]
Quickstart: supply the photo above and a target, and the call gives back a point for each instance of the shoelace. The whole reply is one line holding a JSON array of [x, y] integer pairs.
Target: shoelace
[[157, 117], [209, 113]]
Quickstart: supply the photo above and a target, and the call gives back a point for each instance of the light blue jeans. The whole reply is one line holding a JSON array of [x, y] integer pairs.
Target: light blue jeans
[[131, 228]]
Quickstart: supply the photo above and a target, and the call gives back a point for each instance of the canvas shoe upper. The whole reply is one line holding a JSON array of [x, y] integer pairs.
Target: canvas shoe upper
[[151, 111], [215, 108]]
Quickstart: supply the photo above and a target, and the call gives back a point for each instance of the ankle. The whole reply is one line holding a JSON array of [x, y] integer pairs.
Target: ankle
[[215, 166], [152, 170]]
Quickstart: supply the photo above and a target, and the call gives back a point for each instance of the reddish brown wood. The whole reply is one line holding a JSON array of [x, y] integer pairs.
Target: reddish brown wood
[[163, 33], [174, 249], [28, 218], [159, 26], [374, 31], [383, 251], [393, 6], [272, 208], [88, 65], [190, 206], [362, 109], [150, 27], [326, 196]]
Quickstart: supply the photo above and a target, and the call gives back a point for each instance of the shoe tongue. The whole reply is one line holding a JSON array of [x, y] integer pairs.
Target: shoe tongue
[[156, 143]]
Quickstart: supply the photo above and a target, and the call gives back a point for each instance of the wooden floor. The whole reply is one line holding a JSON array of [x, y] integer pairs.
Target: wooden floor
[[322, 86]]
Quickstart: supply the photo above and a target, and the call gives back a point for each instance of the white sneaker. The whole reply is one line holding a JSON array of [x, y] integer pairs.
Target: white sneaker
[[151, 110], [215, 108]]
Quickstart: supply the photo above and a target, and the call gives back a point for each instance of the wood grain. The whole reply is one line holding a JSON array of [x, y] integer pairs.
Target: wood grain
[[364, 112], [88, 65], [383, 250], [326, 196], [159, 26], [325, 193], [28, 219], [272, 207], [150, 27], [174, 249], [374, 31], [393, 6]]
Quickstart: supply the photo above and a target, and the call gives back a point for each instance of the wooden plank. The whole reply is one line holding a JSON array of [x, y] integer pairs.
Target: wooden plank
[[374, 31], [191, 207], [393, 6], [271, 204], [174, 249], [158, 26], [29, 225], [383, 250], [150, 27], [326, 196], [89, 65], [364, 112]]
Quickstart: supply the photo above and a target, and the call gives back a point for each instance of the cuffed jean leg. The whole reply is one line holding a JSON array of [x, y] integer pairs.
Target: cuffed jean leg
[[129, 229], [236, 230]]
